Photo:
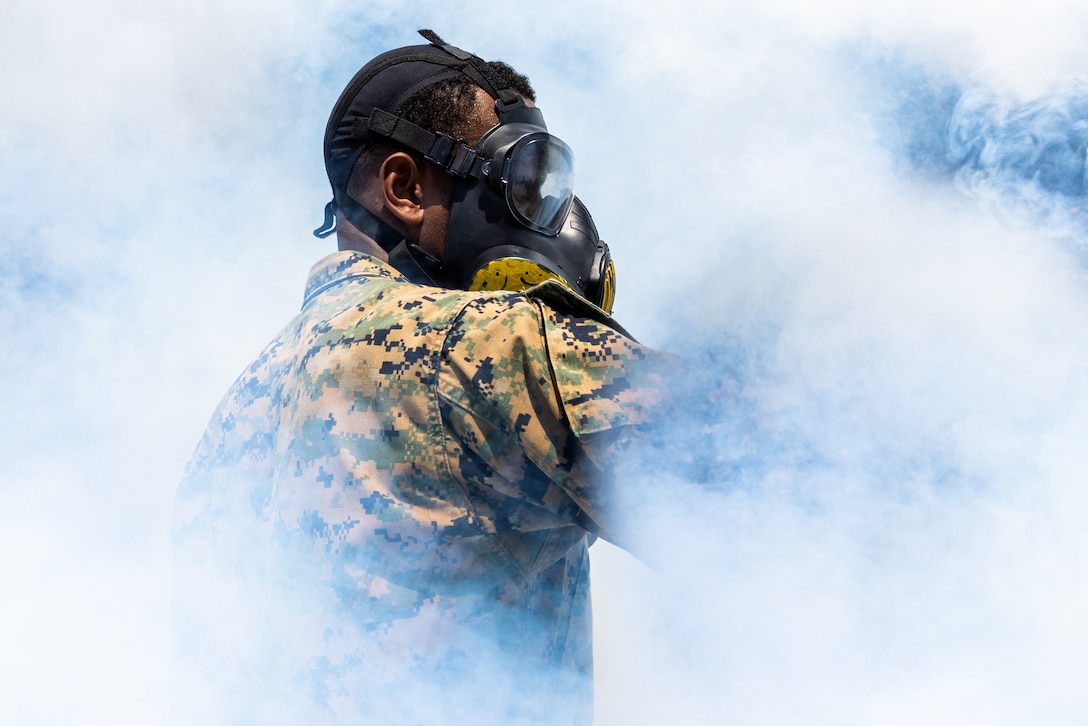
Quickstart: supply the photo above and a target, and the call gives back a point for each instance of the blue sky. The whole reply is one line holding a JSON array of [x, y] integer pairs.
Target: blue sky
[[896, 534]]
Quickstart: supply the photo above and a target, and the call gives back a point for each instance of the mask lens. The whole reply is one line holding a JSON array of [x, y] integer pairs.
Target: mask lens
[[540, 182]]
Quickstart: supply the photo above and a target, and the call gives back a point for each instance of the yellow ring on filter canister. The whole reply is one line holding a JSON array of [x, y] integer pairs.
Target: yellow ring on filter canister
[[511, 273], [517, 274], [608, 287]]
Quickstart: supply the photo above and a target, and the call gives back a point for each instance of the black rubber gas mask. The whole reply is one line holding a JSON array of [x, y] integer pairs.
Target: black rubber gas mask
[[515, 221]]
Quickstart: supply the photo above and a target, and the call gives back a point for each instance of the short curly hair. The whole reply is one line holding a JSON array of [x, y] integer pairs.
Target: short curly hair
[[444, 107]]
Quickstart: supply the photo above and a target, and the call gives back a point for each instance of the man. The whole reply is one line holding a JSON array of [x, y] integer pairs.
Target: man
[[389, 516]]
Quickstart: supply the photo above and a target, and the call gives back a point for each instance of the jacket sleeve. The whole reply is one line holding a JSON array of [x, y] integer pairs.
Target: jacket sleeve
[[532, 390]]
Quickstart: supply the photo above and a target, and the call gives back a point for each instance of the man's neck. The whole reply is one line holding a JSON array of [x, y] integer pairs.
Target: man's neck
[[349, 238]]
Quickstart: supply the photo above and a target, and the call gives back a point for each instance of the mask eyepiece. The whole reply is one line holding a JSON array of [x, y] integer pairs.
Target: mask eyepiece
[[538, 182]]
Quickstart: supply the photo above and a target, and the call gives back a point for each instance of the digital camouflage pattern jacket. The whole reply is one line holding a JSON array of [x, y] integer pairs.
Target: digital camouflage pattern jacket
[[390, 512]]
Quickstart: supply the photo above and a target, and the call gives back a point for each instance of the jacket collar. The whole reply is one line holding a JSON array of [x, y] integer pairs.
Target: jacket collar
[[344, 265]]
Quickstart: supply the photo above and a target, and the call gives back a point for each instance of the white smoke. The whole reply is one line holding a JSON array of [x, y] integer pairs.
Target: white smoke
[[894, 533]]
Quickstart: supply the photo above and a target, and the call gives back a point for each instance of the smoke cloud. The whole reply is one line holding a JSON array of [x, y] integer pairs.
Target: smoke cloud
[[862, 224]]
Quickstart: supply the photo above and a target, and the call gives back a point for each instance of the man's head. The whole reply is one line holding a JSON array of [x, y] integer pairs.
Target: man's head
[[433, 146], [436, 87], [409, 193]]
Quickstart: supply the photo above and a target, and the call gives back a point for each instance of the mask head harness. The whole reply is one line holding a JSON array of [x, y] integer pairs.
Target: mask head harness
[[514, 221]]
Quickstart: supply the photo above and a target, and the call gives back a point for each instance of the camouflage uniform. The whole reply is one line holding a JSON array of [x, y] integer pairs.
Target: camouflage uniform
[[399, 493]]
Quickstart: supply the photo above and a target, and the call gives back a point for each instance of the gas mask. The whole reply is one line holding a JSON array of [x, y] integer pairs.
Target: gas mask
[[514, 221], [576, 257]]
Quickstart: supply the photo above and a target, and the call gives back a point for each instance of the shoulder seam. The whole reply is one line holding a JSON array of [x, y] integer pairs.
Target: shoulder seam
[[564, 300]]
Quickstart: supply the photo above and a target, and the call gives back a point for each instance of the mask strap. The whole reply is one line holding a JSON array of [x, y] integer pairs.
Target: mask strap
[[418, 265], [511, 108], [482, 74], [329, 225], [453, 155]]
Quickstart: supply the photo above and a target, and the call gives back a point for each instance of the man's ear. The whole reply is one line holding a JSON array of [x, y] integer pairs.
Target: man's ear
[[402, 191]]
